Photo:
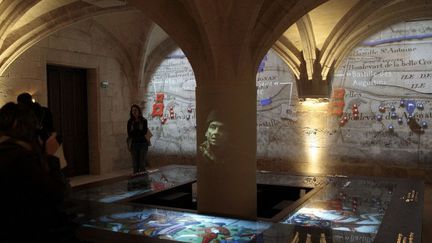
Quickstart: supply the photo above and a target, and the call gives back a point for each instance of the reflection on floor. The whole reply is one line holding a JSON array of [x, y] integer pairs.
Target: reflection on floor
[[86, 179]]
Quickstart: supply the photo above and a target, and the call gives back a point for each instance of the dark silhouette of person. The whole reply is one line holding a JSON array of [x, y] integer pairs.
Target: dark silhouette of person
[[43, 114], [136, 130], [32, 185]]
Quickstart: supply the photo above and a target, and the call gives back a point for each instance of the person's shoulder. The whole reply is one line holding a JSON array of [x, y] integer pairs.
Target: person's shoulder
[[36, 105], [16, 150], [38, 108], [44, 109]]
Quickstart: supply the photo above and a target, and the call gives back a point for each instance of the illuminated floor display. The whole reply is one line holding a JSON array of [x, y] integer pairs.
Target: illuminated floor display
[[174, 225], [339, 209], [346, 205]]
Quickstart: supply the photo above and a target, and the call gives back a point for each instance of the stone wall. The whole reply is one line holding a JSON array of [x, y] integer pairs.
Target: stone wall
[[83, 46]]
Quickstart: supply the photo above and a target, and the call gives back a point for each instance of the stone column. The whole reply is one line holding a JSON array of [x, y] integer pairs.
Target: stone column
[[224, 42], [227, 173]]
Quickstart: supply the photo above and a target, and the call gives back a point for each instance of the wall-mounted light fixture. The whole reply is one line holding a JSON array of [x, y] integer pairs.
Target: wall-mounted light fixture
[[104, 84]]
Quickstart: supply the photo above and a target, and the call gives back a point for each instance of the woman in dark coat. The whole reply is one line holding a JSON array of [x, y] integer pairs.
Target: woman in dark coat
[[32, 186], [138, 145]]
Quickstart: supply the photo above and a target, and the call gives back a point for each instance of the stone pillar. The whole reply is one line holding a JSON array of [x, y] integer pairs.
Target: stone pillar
[[224, 42], [227, 171]]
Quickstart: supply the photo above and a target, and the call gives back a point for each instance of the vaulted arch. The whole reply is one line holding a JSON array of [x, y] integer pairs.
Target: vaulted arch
[[289, 53], [346, 25], [256, 25], [10, 12], [26, 36], [275, 20], [155, 58], [384, 18], [125, 60], [304, 26]]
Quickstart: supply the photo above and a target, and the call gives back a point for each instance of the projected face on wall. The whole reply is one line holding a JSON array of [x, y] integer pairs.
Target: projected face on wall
[[215, 137], [216, 133]]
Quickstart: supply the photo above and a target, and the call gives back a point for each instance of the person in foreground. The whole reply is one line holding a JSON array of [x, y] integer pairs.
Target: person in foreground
[[32, 185]]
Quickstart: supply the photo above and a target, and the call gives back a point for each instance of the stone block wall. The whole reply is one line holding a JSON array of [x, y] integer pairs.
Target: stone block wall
[[80, 46]]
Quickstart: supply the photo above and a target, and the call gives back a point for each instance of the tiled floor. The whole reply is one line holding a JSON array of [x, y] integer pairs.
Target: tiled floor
[[427, 210]]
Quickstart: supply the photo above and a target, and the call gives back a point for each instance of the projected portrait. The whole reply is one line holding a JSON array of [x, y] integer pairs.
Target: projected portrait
[[215, 137]]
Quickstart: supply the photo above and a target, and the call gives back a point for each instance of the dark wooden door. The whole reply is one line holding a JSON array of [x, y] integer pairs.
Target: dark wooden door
[[67, 99]]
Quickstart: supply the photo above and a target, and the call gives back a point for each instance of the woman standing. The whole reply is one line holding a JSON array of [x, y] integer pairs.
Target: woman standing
[[137, 129]]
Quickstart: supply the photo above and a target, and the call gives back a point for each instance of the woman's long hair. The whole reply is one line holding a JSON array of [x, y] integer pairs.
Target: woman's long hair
[[140, 116]]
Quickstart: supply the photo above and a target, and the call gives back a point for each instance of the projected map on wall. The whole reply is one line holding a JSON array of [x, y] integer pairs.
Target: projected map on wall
[[389, 78], [170, 107], [276, 107], [380, 110]]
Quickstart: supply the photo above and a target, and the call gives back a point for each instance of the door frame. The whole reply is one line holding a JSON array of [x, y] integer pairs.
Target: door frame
[[93, 115]]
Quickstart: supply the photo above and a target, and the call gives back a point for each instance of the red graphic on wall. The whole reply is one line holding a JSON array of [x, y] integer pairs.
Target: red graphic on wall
[[355, 111], [338, 102], [158, 106], [339, 93], [160, 97], [171, 112], [157, 109]]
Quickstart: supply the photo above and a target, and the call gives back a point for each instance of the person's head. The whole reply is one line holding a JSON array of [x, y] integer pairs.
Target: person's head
[[7, 116], [25, 99], [135, 112], [216, 133], [18, 121]]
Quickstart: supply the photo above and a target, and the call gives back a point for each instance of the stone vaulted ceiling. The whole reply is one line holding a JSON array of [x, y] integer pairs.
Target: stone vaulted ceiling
[[311, 43]]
